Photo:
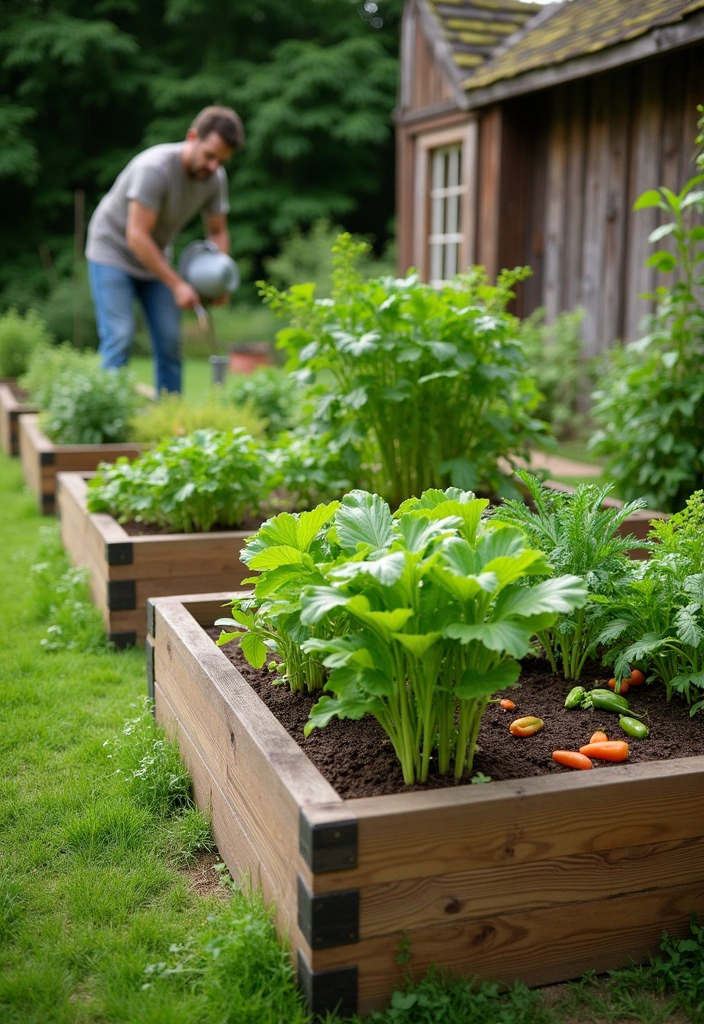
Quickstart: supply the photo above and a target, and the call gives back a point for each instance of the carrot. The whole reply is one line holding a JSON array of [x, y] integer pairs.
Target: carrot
[[636, 678], [507, 704], [599, 737], [621, 687], [525, 726], [611, 750], [571, 759]]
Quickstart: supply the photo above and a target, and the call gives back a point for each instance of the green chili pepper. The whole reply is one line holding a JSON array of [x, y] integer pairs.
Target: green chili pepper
[[605, 700], [632, 727], [575, 697]]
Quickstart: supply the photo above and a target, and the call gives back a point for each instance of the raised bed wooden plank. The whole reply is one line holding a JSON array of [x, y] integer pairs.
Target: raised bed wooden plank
[[11, 408], [535, 880], [126, 570], [42, 460]]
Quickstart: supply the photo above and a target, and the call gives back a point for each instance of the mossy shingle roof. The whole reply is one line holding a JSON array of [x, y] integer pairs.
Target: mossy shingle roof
[[493, 40]]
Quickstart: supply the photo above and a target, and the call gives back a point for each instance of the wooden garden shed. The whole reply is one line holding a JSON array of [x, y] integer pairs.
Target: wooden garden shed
[[526, 132]]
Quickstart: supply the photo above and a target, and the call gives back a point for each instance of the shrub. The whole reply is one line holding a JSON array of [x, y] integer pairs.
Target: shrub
[[175, 416], [650, 403], [430, 382], [48, 365], [20, 336], [554, 357], [92, 406], [272, 395], [186, 484]]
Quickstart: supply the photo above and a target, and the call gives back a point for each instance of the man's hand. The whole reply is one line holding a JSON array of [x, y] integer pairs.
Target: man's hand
[[185, 295]]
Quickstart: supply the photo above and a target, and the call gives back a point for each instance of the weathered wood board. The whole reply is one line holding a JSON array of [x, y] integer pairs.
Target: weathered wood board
[[11, 407], [534, 880], [126, 570], [42, 460]]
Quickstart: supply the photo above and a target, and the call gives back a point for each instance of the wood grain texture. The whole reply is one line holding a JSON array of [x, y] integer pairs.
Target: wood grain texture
[[11, 408], [536, 947], [595, 199]]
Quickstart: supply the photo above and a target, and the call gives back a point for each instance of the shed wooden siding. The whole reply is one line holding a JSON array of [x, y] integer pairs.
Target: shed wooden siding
[[558, 173]]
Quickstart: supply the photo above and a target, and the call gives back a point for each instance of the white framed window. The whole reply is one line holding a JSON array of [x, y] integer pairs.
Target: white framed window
[[446, 189], [444, 230]]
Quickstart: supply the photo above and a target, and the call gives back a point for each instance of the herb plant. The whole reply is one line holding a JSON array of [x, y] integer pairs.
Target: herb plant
[[421, 615], [94, 406], [650, 403], [659, 621], [578, 535], [186, 484], [19, 337], [272, 394], [48, 365], [430, 382], [175, 416]]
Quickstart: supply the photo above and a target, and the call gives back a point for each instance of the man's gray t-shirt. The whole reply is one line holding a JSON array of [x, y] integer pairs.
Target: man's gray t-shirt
[[157, 179]]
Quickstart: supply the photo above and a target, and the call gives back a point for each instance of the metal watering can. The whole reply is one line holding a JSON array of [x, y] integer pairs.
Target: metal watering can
[[212, 273]]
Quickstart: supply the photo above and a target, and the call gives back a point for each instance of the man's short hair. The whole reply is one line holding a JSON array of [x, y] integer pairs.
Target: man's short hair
[[222, 120]]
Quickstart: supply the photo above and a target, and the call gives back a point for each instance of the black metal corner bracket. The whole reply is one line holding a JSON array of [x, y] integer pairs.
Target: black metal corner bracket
[[119, 553], [47, 458], [122, 595], [123, 639], [328, 919], [48, 504], [327, 846], [328, 991]]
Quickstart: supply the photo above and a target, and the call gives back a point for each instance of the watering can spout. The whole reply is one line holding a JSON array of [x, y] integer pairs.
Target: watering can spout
[[212, 273]]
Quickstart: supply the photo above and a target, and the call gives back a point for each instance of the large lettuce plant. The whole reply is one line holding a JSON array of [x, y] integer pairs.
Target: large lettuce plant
[[418, 617]]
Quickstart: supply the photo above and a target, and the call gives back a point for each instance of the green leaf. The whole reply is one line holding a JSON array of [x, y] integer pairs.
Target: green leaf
[[510, 637], [662, 260], [274, 557], [650, 198], [363, 519], [417, 643], [693, 197], [387, 570], [561, 594], [317, 602], [254, 649], [385, 622], [661, 232], [475, 684], [310, 523]]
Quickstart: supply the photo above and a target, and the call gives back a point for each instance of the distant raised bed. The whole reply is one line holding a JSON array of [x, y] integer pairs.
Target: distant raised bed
[[42, 460], [12, 404], [125, 570], [534, 880]]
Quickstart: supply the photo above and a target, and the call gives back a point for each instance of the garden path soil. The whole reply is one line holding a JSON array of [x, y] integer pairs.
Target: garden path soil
[[358, 759]]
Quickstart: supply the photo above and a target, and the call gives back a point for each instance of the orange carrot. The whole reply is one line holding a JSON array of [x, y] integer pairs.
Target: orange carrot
[[507, 704], [525, 726], [571, 759], [612, 750], [636, 678], [599, 737], [621, 687]]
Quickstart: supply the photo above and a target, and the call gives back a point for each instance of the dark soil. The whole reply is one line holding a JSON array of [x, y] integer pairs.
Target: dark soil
[[135, 529], [358, 759]]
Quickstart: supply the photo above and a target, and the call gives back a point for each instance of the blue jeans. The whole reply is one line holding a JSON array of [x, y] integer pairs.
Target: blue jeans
[[114, 292]]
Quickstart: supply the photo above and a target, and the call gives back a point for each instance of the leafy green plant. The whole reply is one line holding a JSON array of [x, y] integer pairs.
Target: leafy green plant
[[430, 382], [186, 484], [271, 394], [175, 416], [423, 614], [680, 968], [19, 337], [650, 402], [312, 467], [579, 536], [93, 407], [47, 365], [555, 361], [659, 620]]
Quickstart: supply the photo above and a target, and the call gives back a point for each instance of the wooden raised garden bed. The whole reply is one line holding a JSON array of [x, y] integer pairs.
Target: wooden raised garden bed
[[42, 460], [12, 404], [125, 570], [534, 880]]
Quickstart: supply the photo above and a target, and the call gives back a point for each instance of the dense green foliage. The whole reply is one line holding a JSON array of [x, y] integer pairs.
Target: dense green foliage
[[578, 535], [419, 617], [86, 84], [431, 383], [272, 394], [659, 620], [19, 337], [650, 402], [554, 356], [186, 484]]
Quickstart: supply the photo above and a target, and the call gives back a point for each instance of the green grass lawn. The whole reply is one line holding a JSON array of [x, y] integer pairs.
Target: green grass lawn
[[99, 919], [197, 375]]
